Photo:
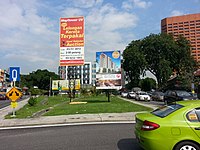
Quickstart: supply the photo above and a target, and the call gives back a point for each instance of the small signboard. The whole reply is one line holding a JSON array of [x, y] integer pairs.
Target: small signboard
[[14, 104], [14, 94], [14, 73], [64, 85]]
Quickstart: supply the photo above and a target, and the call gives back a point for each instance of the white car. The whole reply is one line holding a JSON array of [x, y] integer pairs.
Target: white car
[[124, 94], [142, 96], [131, 95]]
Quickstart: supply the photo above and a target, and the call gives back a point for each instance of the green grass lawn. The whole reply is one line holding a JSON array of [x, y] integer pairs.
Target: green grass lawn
[[95, 104]]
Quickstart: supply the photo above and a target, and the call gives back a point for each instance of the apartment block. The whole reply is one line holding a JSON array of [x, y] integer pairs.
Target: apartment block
[[186, 25], [106, 65], [4, 78], [84, 73], [93, 73]]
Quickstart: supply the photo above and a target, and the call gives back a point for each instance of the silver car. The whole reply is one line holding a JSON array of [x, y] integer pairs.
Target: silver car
[[157, 96]]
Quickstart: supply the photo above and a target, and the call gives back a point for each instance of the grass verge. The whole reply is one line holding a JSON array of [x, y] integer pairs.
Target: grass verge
[[95, 104]]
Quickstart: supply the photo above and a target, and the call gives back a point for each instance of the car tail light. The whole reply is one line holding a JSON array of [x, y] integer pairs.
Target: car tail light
[[148, 126]]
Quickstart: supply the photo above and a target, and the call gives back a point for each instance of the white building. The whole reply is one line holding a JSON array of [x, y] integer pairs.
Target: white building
[[84, 73]]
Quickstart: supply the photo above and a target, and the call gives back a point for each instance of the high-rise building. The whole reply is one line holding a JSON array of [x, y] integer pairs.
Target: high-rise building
[[84, 73], [94, 73], [4, 79], [186, 25]]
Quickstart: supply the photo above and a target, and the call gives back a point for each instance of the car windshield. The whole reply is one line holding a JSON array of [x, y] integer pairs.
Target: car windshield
[[166, 110], [183, 93]]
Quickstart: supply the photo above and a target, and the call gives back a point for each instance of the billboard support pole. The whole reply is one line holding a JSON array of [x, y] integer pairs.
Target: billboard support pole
[[74, 84], [108, 93], [69, 93]]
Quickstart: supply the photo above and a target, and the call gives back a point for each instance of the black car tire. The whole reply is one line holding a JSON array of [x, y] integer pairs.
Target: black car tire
[[187, 146]]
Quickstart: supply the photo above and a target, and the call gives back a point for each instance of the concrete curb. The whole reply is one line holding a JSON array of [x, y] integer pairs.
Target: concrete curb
[[65, 119]]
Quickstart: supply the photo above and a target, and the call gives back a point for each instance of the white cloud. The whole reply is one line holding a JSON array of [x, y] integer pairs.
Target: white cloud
[[106, 28], [130, 4], [68, 12], [127, 5], [142, 4], [176, 13], [29, 39], [27, 35], [86, 3]]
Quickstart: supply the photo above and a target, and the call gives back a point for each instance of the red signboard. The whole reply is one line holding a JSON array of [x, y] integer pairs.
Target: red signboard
[[71, 41]]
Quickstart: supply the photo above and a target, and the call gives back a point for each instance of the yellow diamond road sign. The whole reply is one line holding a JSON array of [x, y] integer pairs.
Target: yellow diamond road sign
[[14, 94]]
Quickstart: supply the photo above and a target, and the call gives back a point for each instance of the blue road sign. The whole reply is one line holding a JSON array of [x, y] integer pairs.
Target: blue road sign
[[14, 73]]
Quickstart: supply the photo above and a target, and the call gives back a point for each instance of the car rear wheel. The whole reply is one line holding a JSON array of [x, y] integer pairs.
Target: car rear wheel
[[187, 146]]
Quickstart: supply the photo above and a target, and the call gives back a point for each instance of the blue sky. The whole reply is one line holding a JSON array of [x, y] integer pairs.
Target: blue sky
[[29, 30]]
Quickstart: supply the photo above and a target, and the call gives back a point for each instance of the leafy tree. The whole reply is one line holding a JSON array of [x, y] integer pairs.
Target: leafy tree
[[39, 78], [185, 62], [147, 84], [134, 62], [162, 56], [158, 50]]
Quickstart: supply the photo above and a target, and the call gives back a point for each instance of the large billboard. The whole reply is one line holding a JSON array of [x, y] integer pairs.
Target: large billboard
[[108, 70], [71, 41], [64, 85]]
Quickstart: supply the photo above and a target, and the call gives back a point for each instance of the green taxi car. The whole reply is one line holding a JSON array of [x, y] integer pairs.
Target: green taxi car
[[171, 127]]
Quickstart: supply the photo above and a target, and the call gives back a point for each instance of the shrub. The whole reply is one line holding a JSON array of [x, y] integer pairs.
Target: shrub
[[32, 101]]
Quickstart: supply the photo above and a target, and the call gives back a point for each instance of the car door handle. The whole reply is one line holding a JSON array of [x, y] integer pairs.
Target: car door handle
[[197, 128]]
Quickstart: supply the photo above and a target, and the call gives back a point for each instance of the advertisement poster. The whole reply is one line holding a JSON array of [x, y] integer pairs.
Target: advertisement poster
[[108, 70], [64, 85], [71, 41]]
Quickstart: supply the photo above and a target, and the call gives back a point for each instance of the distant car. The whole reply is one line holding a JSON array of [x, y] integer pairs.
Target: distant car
[[142, 96], [3, 97], [131, 95], [170, 127], [124, 94], [157, 96], [194, 94], [177, 95], [149, 93]]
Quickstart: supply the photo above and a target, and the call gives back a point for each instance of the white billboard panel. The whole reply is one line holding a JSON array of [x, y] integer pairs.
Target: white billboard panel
[[108, 73]]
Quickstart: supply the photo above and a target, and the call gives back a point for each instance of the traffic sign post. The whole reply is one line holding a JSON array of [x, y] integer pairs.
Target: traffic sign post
[[14, 105], [14, 94], [14, 74]]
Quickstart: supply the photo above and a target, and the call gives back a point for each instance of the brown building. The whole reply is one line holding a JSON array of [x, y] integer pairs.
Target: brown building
[[186, 25]]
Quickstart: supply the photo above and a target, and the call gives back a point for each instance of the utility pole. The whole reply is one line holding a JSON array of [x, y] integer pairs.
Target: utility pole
[[50, 87]]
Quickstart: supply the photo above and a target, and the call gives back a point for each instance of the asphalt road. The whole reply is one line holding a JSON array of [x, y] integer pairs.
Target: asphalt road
[[4, 103], [158, 103], [80, 137]]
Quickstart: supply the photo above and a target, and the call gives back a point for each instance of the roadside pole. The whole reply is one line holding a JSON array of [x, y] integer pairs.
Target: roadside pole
[[14, 94], [12, 105], [14, 76], [50, 87], [108, 94]]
